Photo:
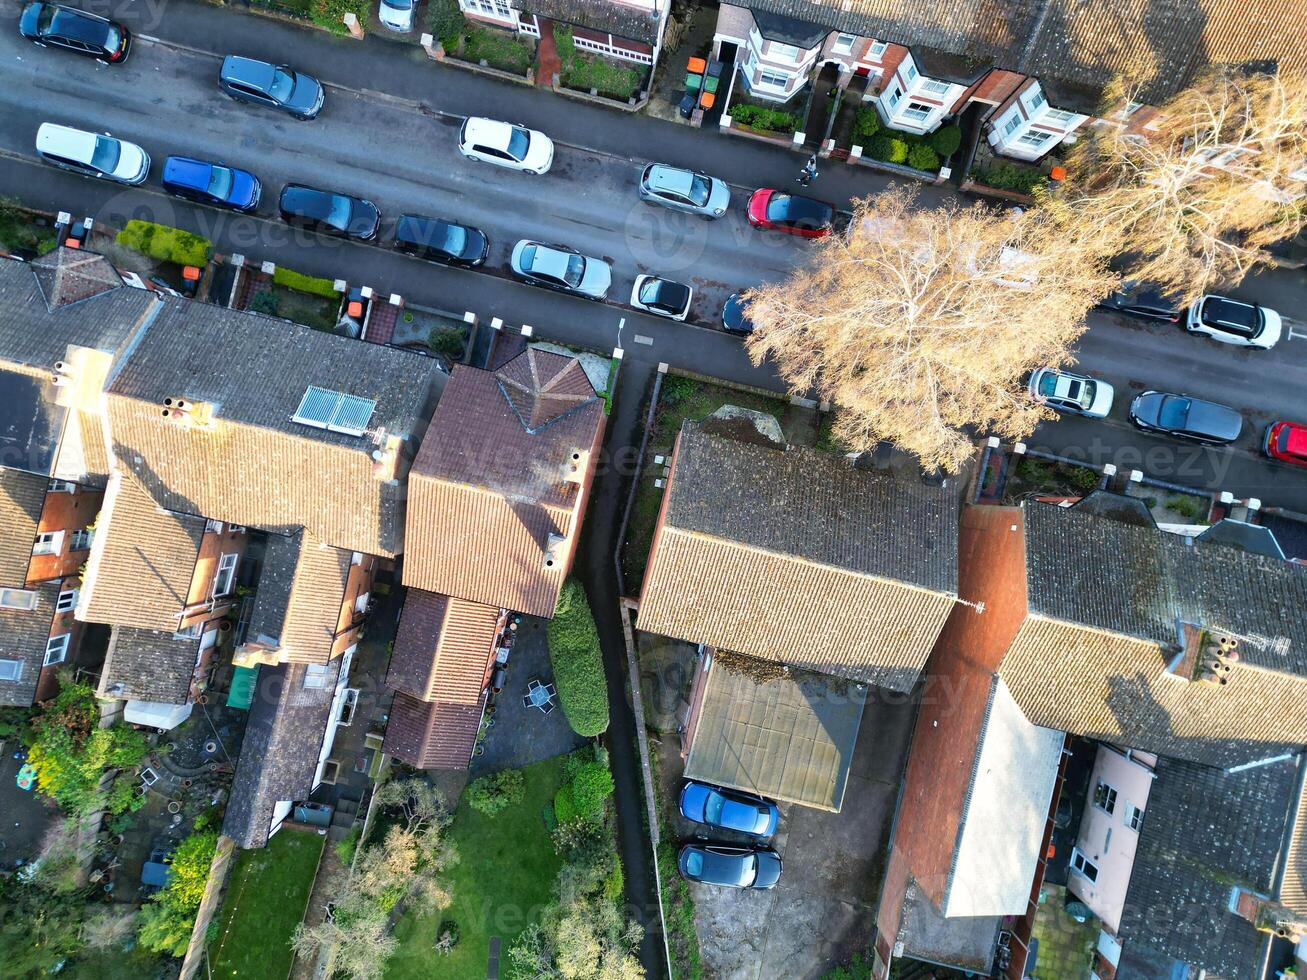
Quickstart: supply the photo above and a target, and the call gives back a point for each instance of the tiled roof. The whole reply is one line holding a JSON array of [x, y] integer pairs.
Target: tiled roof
[[599, 15], [283, 737], [1293, 882], [149, 665], [22, 496], [432, 735], [254, 465], [298, 603], [69, 275], [796, 556], [442, 647], [1205, 832], [542, 386], [23, 636], [486, 494], [142, 560]]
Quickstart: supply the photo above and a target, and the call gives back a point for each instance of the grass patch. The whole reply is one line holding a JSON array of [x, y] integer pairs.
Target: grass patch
[[587, 72], [303, 308], [503, 880], [298, 8], [136, 963], [765, 120], [678, 905], [19, 231], [266, 898], [498, 49]]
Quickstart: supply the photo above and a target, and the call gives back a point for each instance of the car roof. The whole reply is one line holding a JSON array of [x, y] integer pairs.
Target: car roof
[[1297, 441], [1213, 419], [65, 140], [1242, 318], [550, 261], [310, 200], [672, 293], [184, 170], [248, 70], [489, 132], [794, 206], [421, 229], [672, 179], [79, 26]]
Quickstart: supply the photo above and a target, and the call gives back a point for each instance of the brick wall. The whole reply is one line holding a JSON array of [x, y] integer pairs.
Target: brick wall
[[67, 512]]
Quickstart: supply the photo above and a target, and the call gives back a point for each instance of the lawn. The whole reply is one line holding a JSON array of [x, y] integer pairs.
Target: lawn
[[266, 898], [505, 875], [498, 49]]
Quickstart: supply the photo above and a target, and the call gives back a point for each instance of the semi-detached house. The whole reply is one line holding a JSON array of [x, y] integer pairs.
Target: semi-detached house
[[630, 30]]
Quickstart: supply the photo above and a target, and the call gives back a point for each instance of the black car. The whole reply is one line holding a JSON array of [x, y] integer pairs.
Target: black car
[[1186, 417], [730, 865], [76, 31], [334, 214], [441, 241], [734, 319], [1143, 300], [276, 86]]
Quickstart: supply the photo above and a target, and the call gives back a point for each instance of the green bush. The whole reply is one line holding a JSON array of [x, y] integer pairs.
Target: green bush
[[301, 283], [1010, 177], [888, 148], [447, 341], [495, 793], [592, 786], [615, 883], [585, 72], [330, 14], [866, 124], [347, 845], [578, 663], [764, 119], [564, 807], [923, 158], [445, 22], [946, 140], [264, 301], [165, 243], [499, 49]]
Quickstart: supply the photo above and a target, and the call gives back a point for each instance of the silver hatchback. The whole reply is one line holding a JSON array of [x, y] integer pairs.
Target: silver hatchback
[[684, 190]]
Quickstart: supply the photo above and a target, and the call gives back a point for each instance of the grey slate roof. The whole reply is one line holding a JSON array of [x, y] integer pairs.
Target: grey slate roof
[[23, 635], [149, 665], [298, 603], [599, 15], [1247, 537], [1206, 831], [279, 756], [22, 497]]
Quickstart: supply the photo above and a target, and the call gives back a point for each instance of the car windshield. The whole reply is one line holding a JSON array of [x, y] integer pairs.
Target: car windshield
[[113, 40], [649, 292], [518, 143], [46, 19], [105, 156], [455, 239], [529, 258], [1174, 413], [575, 270], [1238, 318], [1048, 384], [694, 863], [338, 216], [220, 180], [699, 190], [398, 4], [712, 810], [283, 84]]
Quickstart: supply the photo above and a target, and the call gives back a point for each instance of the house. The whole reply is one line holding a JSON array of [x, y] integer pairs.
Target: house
[[795, 556], [629, 30], [1033, 73]]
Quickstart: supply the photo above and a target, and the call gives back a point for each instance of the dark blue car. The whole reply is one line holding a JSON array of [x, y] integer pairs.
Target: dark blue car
[[730, 865], [729, 809], [211, 183]]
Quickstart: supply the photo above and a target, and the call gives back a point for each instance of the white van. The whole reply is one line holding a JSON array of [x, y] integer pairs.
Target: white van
[[92, 154]]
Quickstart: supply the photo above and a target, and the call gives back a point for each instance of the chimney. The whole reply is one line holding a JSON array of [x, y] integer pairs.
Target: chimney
[[1267, 915], [553, 550], [63, 374], [188, 413], [574, 469]]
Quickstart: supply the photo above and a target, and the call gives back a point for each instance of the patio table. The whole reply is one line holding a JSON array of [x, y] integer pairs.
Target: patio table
[[26, 777]]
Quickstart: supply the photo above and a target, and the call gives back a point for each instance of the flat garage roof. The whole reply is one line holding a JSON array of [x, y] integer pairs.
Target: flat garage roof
[[788, 739]]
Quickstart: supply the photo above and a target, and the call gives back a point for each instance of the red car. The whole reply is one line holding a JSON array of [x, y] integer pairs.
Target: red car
[[790, 213], [1287, 442]]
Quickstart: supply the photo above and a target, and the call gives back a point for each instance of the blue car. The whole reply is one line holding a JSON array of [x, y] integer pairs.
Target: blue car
[[729, 809], [730, 866], [212, 183]]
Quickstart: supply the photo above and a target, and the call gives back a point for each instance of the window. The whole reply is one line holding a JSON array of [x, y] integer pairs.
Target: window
[[1134, 817], [67, 600], [315, 675], [214, 526], [1036, 99], [1058, 117], [783, 52], [334, 411], [56, 649], [17, 599], [934, 87], [876, 51], [1012, 125], [191, 632], [773, 79], [356, 558], [226, 572], [1105, 797], [11, 670], [81, 539], [911, 73], [1035, 137], [62, 486], [843, 43], [895, 94], [1082, 864], [917, 111], [48, 543]]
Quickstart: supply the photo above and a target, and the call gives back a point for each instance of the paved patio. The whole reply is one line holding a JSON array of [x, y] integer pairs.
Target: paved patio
[[26, 815]]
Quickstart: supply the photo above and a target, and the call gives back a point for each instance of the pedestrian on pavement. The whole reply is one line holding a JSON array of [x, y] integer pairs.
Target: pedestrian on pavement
[[809, 171]]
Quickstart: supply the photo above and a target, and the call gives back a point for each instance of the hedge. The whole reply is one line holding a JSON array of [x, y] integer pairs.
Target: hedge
[[923, 158], [446, 23], [946, 140], [1009, 177], [769, 120], [301, 283], [578, 663], [166, 243]]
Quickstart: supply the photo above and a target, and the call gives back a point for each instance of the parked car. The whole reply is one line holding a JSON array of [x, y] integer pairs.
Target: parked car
[[441, 241], [1186, 417], [730, 865], [1233, 321], [92, 154], [729, 809], [505, 145], [397, 15], [1287, 442], [1072, 393], [684, 190], [276, 86], [73, 30], [328, 212], [211, 183], [790, 213], [734, 319], [562, 268], [662, 297], [1143, 300]]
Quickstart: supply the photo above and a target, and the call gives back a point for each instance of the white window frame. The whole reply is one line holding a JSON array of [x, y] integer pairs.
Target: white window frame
[[18, 599], [910, 73], [766, 76], [221, 586], [917, 112], [1012, 125], [876, 51], [1108, 803], [191, 632], [11, 670], [61, 486], [67, 601], [784, 52], [361, 603], [1034, 138], [1133, 816], [53, 647], [48, 543], [317, 674], [1036, 98], [212, 525], [81, 539], [1079, 863], [844, 43], [894, 97], [1057, 117], [934, 86]]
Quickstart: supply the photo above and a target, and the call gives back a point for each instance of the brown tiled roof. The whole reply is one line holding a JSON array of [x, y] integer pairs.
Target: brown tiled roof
[[442, 647], [486, 496], [599, 15], [23, 636], [543, 386], [794, 555], [298, 602], [142, 560], [254, 465], [69, 275], [22, 495], [432, 735], [149, 665]]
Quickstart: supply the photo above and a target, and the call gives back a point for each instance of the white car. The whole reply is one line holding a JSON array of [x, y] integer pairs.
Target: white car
[[506, 145], [662, 297], [397, 15], [92, 154], [1233, 321], [1075, 394]]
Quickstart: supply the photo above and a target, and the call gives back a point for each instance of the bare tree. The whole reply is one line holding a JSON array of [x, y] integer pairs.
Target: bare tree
[[920, 322], [1193, 198]]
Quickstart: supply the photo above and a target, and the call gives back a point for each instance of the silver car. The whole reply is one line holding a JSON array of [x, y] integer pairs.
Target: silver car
[[562, 268], [684, 190]]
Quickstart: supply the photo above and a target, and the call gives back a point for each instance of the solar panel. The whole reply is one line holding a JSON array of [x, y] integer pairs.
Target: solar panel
[[334, 411], [352, 415], [317, 407]]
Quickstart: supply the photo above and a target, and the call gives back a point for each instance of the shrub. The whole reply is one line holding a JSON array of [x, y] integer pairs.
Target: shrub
[[946, 140], [564, 807], [1009, 177], [888, 148], [923, 158], [866, 124], [447, 936], [615, 883], [265, 301], [578, 663], [347, 845], [593, 785], [762, 118], [301, 283], [445, 22], [495, 793], [165, 243], [1085, 479], [447, 341], [330, 14]]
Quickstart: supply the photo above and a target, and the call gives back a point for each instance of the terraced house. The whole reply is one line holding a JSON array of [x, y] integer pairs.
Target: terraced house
[[631, 30]]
